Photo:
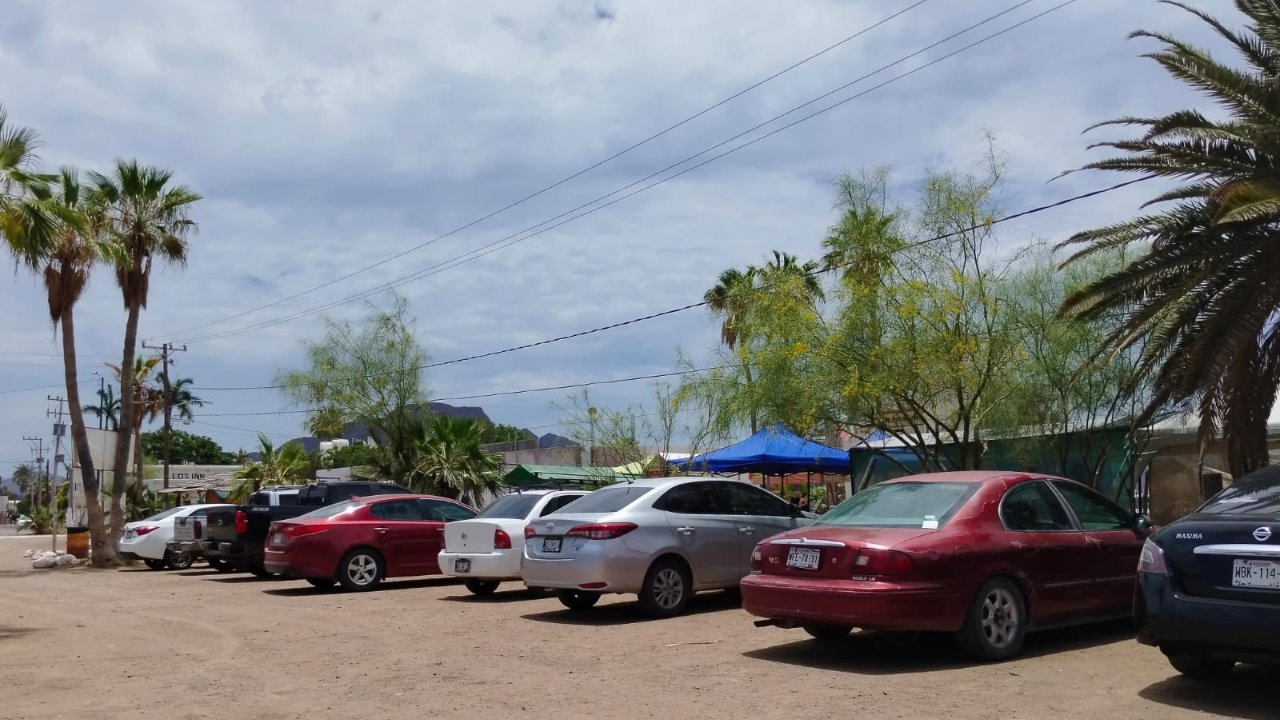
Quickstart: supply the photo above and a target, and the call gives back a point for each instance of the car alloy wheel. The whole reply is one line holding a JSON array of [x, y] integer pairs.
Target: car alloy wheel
[[179, 560], [360, 570], [1001, 618], [668, 588]]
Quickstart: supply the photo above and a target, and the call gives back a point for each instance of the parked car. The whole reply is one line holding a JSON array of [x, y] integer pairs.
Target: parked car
[[364, 540], [236, 535], [1209, 584], [148, 540], [188, 537], [486, 550], [663, 539], [987, 555]]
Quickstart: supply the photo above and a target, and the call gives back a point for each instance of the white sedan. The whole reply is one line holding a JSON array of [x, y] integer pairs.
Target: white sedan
[[487, 549], [148, 539]]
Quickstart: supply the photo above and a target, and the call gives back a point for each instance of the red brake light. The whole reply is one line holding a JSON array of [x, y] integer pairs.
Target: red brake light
[[1152, 559], [757, 560], [877, 561], [529, 531], [242, 522], [501, 540], [294, 530], [144, 530], [601, 531]]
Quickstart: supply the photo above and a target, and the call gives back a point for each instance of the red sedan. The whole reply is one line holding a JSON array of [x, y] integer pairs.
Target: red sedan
[[986, 555], [364, 540]]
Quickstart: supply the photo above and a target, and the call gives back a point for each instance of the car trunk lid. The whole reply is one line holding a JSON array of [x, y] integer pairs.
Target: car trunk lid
[[477, 536], [1232, 559], [837, 552], [548, 537]]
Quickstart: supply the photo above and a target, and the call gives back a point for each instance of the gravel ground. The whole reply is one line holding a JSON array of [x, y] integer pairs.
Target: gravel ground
[[136, 644]]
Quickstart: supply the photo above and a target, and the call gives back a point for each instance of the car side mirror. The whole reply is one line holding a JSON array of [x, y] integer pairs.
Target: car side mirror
[[1142, 523]]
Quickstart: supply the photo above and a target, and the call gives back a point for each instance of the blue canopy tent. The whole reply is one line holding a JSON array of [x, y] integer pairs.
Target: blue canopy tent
[[773, 450]]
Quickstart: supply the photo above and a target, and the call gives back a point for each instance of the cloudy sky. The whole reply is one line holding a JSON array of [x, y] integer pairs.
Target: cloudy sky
[[327, 136]]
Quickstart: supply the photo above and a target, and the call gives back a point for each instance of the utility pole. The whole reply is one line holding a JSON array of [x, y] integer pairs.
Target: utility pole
[[37, 446], [166, 350], [59, 430]]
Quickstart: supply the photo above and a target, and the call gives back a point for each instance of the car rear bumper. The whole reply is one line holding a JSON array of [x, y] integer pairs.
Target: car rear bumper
[[598, 573], [496, 565], [224, 549], [300, 568], [143, 548], [187, 546], [1173, 621], [861, 604]]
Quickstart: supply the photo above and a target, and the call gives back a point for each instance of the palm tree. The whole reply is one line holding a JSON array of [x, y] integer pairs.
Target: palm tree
[[148, 216], [730, 298], [452, 460], [785, 272], [108, 408], [1202, 301], [65, 265], [182, 400], [275, 466]]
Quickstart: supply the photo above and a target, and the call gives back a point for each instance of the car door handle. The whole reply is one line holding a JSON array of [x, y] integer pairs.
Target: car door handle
[[380, 529], [747, 530], [686, 530]]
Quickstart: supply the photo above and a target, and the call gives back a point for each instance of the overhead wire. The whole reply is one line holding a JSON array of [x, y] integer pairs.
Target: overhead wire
[[551, 224], [572, 176]]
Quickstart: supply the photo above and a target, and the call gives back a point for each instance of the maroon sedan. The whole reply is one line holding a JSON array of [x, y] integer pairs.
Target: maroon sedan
[[986, 555], [362, 541]]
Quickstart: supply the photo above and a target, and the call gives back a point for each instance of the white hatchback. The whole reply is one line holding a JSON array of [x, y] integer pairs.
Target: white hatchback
[[148, 539], [487, 549]]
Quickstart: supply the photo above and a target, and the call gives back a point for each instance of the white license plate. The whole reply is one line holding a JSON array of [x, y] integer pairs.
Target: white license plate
[[462, 566], [277, 538], [551, 545], [128, 534], [1256, 574], [804, 558]]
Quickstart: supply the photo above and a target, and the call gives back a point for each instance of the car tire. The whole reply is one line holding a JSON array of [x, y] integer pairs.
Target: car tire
[[322, 583], [578, 599], [828, 633], [221, 566], [361, 569], [1199, 666], [996, 623], [482, 588], [667, 589], [259, 570], [178, 560], [155, 564]]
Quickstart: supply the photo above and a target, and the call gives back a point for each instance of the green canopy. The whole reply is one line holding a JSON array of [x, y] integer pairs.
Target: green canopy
[[542, 475]]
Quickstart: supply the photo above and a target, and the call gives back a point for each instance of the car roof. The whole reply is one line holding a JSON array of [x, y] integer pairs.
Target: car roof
[[400, 496], [670, 481], [967, 476]]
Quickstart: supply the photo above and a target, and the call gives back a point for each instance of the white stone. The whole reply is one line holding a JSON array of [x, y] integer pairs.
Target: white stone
[[65, 560], [44, 561]]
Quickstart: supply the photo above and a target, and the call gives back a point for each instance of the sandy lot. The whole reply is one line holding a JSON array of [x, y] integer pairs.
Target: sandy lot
[[138, 644]]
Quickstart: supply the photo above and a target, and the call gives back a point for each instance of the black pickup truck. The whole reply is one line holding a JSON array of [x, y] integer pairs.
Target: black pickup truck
[[235, 535]]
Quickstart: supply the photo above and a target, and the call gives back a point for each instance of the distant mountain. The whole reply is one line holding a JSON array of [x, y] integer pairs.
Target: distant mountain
[[551, 440]]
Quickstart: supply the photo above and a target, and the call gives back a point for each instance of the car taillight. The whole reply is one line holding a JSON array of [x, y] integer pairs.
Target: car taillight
[[294, 530], [757, 560], [196, 527], [601, 531], [144, 530], [501, 540], [876, 561], [242, 522], [529, 532], [1152, 559]]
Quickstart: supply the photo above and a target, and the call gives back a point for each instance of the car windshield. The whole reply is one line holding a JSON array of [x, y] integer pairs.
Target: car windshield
[[1260, 496], [164, 514], [901, 504], [510, 507], [605, 500], [330, 510]]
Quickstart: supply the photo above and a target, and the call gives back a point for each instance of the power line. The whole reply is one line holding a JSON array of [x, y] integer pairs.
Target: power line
[[533, 230], [573, 176], [690, 306]]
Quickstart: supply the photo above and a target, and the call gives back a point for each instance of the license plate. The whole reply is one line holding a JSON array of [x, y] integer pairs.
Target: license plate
[[128, 534], [1256, 574], [803, 558], [462, 566], [277, 539], [551, 545]]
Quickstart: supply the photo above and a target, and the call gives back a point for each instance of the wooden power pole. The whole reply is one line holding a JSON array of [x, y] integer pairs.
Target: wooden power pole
[[166, 351]]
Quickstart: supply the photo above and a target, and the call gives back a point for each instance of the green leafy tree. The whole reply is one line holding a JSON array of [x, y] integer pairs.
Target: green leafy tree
[[148, 216], [284, 465], [1201, 298], [352, 456], [186, 448]]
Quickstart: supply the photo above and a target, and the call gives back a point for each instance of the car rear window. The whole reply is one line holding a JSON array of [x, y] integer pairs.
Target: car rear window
[[901, 504], [330, 510], [605, 500], [1259, 496], [510, 507], [164, 514]]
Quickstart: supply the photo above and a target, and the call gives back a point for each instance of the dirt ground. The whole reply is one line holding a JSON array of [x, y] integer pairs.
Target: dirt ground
[[137, 644]]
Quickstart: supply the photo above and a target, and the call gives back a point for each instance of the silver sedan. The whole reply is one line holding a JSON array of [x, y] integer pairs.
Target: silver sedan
[[663, 539]]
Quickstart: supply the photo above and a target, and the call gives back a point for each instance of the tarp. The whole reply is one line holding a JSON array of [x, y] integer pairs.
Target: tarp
[[773, 450], [542, 475]]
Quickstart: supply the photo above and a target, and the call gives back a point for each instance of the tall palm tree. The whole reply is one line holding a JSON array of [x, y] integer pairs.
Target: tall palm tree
[[65, 265], [1203, 297], [452, 460], [108, 408], [275, 466], [730, 298], [182, 400], [785, 271], [148, 216]]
